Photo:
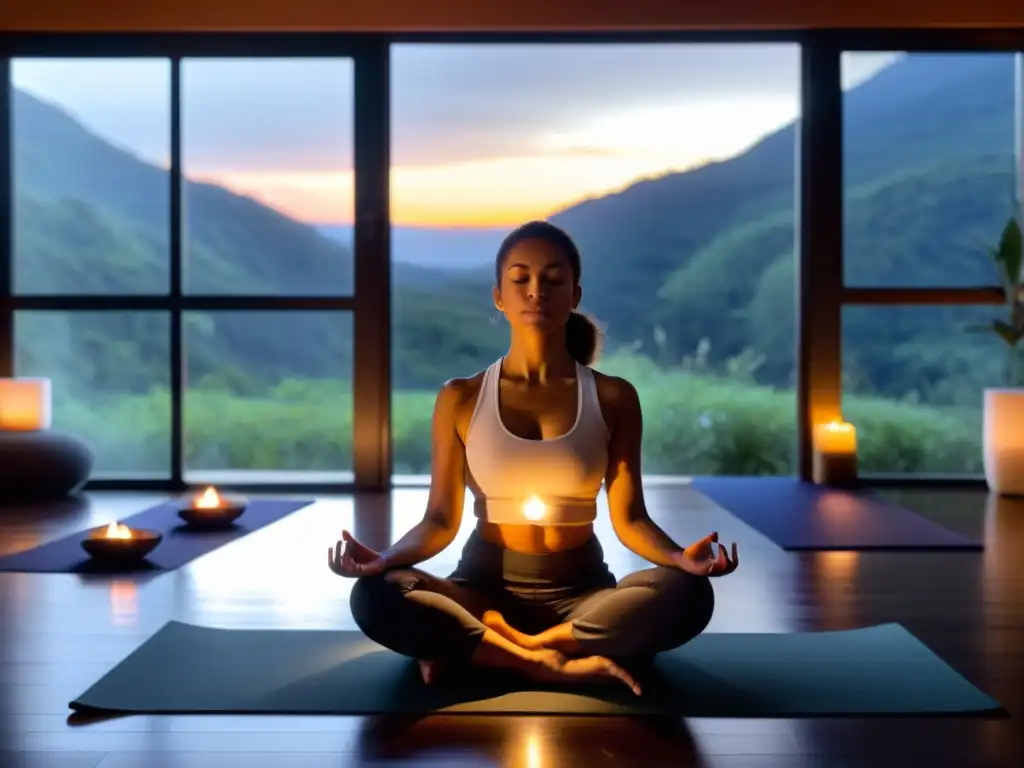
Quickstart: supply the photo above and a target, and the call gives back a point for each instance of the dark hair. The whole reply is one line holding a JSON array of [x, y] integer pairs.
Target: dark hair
[[582, 335]]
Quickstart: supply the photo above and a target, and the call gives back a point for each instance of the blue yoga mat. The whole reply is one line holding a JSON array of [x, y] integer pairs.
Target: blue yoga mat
[[180, 544], [798, 515], [874, 671]]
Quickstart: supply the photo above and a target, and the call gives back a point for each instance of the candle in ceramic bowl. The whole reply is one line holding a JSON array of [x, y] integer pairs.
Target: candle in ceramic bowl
[[117, 544], [212, 509]]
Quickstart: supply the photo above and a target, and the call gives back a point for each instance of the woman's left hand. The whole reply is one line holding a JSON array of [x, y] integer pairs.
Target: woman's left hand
[[700, 560]]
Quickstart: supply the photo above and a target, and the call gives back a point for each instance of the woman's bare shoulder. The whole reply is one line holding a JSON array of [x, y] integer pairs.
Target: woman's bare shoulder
[[615, 390], [618, 398], [457, 400], [463, 389]]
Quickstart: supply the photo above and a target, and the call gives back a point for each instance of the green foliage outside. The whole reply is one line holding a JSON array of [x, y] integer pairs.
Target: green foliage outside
[[697, 422]]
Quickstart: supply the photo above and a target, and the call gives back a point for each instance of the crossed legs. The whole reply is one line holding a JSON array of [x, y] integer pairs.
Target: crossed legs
[[433, 619], [645, 613], [422, 616]]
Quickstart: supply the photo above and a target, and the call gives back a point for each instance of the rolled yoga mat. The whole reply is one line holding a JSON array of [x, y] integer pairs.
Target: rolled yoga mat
[[802, 516], [180, 544], [881, 670]]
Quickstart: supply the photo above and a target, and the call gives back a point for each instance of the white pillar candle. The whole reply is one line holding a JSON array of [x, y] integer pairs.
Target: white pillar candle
[[836, 437], [24, 404], [835, 454]]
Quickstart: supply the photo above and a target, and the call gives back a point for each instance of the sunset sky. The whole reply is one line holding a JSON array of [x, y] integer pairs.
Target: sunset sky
[[487, 135]]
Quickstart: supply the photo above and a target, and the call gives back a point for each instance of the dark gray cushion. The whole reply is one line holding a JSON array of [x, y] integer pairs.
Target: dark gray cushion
[[42, 465]]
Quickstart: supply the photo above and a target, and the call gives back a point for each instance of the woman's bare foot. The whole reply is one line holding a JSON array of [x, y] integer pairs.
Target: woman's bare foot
[[553, 667], [495, 650], [495, 621], [545, 665], [558, 638], [429, 671]]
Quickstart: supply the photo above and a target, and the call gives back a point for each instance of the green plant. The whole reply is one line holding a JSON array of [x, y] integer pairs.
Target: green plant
[[1007, 256]]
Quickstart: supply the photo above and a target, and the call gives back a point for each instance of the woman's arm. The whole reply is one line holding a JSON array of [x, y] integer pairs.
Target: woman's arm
[[630, 520], [443, 517]]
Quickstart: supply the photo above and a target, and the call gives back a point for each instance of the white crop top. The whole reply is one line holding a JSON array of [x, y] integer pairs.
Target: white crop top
[[516, 480]]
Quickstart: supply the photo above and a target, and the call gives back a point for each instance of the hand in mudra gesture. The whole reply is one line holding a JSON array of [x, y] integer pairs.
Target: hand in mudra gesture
[[351, 559], [700, 560]]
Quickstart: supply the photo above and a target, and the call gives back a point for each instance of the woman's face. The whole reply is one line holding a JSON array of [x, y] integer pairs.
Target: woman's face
[[537, 287]]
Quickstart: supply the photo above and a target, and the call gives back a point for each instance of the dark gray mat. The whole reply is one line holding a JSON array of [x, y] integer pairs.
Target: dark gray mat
[[881, 670]]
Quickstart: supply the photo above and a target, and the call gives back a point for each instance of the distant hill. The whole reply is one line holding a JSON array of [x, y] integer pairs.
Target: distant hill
[[92, 218], [702, 254], [929, 179], [467, 248]]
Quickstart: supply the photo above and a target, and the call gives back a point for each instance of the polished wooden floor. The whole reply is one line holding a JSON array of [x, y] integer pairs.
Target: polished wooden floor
[[59, 633]]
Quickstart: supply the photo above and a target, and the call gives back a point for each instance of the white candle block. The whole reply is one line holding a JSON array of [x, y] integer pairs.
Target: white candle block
[[836, 437], [1003, 440], [835, 454], [25, 404]]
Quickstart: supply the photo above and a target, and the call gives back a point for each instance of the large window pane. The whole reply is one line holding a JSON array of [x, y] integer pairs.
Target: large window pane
[[111, 382], [269, 396], [929, 167], [267, 152], [91, 143], [673, 168], [913, 386]]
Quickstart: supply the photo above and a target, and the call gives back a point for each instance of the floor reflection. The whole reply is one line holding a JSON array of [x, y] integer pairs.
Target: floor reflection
[[834, 575], [526, 741], [66, 630], [29, 524], [277, 577]]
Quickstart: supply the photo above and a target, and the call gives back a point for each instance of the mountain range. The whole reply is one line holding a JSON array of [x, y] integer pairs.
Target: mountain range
[[437, 247], [929, 174]]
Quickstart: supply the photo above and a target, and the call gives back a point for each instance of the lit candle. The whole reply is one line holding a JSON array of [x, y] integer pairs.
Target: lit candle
[[835, 454], [208, 499], [117, 543], [24, 404], [211, 509], [534, 509], [118, 531], [836, 437]]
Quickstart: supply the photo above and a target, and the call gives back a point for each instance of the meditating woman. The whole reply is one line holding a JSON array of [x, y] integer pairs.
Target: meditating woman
[[534, 436]]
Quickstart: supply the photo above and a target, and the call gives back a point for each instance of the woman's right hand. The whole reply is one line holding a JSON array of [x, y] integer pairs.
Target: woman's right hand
[[351, 559]]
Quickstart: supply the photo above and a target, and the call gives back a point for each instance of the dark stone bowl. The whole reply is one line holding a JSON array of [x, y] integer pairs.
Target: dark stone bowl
[[223, 516], [120, 552], [42, 465]]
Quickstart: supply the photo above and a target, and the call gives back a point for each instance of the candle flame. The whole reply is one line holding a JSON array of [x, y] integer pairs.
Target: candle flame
[[534, 509], [837, 426], [209, 499], [118, 531]]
